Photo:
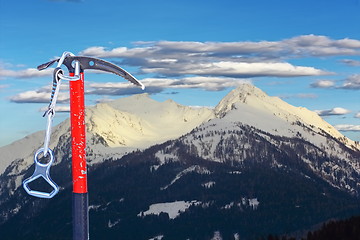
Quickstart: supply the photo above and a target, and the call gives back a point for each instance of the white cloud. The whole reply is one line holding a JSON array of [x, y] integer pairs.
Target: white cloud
[[323, 84], [101, 52], [24, 73], [347, 127], [351, 62], [352, 82], [314, 45], [38, 96], [238, 69], [300, 46], [231, 59], [120, 52], [348, 43], [334, 111], [31, 97], [357, 115]]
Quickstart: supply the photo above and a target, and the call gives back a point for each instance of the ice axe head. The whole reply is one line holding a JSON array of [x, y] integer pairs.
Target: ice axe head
[[93, 63]]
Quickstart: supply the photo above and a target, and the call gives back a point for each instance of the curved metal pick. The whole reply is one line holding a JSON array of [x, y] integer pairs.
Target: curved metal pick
[[96, 64]]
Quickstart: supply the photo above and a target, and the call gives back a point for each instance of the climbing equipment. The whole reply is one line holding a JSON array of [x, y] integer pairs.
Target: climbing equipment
[[42, 170], [76, 66]]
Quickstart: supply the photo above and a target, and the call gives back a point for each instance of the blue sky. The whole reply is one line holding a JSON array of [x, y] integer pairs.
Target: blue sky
[[194, 52]]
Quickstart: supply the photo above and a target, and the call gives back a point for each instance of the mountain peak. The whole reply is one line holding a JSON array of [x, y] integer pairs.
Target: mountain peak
[[249, 105], [240, 94], [248, 89]]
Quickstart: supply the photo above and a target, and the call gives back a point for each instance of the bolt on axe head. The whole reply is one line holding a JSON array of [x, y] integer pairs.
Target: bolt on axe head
[[93, 63]]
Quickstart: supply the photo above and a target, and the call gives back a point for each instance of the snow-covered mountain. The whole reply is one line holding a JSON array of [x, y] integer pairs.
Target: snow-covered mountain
[[137, 122], [209, 164], [252, 127]]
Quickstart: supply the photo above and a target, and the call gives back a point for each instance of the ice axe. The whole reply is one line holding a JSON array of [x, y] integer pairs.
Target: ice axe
[[76, 66]]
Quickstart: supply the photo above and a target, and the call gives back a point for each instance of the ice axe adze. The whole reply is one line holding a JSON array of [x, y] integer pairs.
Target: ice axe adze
[[76, 66]]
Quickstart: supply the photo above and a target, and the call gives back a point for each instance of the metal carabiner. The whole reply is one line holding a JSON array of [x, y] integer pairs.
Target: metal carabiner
[[77, 68], [42, 170], [50, 112]]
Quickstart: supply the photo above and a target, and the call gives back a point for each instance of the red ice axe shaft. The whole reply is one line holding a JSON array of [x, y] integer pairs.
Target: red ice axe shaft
[[78, 140], [80, 196]]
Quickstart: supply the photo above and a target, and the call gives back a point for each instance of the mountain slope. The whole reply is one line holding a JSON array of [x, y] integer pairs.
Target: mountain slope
[[140, 122]]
